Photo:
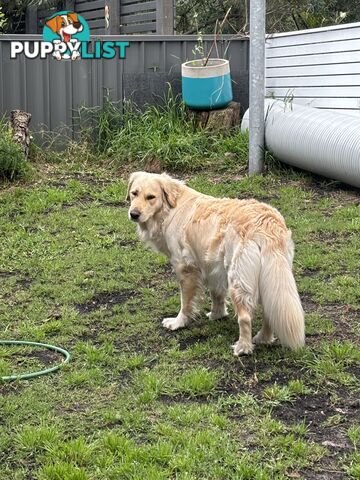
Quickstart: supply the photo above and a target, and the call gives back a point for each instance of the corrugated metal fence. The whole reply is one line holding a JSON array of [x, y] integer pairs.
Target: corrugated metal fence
[[319, 67], [53, 90]]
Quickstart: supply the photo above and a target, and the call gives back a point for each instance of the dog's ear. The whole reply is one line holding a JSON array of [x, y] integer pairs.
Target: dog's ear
[[54, 23], [76, 22], [131, 181], [171, 189], [73, 16]]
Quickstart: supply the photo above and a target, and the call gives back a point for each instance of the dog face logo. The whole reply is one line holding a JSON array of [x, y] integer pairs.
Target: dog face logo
[[66, 30], [65, 25]]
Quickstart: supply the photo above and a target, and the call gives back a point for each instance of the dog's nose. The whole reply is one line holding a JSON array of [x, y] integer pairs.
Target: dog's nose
[[135, 214], [77, 24]]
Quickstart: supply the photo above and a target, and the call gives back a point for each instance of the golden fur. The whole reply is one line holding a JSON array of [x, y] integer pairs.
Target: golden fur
[[236, 248]]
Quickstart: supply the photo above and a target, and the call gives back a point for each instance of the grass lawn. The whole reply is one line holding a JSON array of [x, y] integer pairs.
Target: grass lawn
[[139, 402]]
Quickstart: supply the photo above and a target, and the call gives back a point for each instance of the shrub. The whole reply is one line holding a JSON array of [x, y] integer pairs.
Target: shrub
[[12, 160]]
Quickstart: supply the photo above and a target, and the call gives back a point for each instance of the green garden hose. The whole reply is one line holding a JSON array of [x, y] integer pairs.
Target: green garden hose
[[26, 376]]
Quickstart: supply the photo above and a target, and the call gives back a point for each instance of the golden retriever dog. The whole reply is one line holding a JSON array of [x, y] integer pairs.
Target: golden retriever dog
[[236, 248]]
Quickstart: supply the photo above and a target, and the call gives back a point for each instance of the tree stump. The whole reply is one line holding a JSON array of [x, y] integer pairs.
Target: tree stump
[[20, 125], [220, 120]]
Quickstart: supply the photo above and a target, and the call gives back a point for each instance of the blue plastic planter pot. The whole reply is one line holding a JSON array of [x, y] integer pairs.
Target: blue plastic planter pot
[[206, 88]]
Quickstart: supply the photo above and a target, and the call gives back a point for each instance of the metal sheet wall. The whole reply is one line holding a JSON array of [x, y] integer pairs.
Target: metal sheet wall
[[318, 68], [53, 90]]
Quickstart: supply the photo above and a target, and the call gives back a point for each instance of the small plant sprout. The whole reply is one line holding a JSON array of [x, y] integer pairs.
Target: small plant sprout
[[199, 47]]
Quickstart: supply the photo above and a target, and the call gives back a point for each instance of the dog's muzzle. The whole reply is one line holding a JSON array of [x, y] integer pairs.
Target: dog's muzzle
[[135, 214]]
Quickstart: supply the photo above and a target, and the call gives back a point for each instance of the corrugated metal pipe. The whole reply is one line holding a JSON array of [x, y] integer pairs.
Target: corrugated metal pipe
[[323, 142]]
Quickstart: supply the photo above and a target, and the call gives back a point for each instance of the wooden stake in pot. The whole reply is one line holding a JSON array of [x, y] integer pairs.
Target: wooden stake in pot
[[20, 125], [216, 37]]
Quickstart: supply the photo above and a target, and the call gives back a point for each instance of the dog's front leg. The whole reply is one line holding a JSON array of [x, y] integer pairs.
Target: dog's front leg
[[189, 278]]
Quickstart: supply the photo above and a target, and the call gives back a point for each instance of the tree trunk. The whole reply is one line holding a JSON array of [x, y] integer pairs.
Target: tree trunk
[[20, 125], [221, 120]]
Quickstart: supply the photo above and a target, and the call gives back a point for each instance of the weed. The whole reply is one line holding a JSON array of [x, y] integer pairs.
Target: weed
[[276, 394], [164, 133], [197, 382], [354, 435], [12, 161]]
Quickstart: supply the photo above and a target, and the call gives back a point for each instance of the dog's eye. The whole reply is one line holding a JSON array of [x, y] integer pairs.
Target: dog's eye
[[150, 197], [63, 23], [134, 194]]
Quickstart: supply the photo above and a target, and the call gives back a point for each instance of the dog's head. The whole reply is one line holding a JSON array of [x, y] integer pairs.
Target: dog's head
[[151, 193], [65, 25]]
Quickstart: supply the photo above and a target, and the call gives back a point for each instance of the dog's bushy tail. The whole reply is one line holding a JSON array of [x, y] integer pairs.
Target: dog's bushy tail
[[280, 299]]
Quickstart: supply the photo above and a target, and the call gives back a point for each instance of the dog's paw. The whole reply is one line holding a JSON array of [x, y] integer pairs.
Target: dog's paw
[[57, 55], [260, 339], [217, 314], [242, 348], [174, 323], [75, 54]]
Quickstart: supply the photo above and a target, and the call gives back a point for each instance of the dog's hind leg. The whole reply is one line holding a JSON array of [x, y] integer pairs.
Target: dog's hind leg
[[265, 335], [244, 345], [218, 309], [244, 292], [190, 282]]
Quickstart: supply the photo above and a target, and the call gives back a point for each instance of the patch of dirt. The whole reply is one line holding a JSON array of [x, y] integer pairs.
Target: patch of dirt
[[75, 407], [309, 272], [87, 199], [341, 316], [118, 204], [8, 274], [25, 282], [128, 243], [85, 178], [44, 356], [188, 342], [153, 165], [10, 388], [91, 335], [254, 373], [344, 193], [317, 411], [328, 471], [173, 399], [259, 198], [323, 187], [47, 357], [162, 273], [105, 300], [167, 269], [21, 282]]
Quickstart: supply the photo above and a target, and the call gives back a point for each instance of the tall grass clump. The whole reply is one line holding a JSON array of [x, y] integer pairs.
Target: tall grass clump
[[12, 159], [164, 133]]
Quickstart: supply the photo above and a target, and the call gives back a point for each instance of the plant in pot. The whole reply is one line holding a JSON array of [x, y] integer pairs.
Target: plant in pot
[[206, 82]]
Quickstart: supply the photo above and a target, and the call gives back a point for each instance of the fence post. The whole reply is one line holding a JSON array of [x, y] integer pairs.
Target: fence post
[[31, 19], [257, 86], [112, 10], [165, 17]]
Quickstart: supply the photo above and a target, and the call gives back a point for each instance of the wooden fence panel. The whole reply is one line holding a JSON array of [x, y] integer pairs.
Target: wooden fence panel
[[123, 16]]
